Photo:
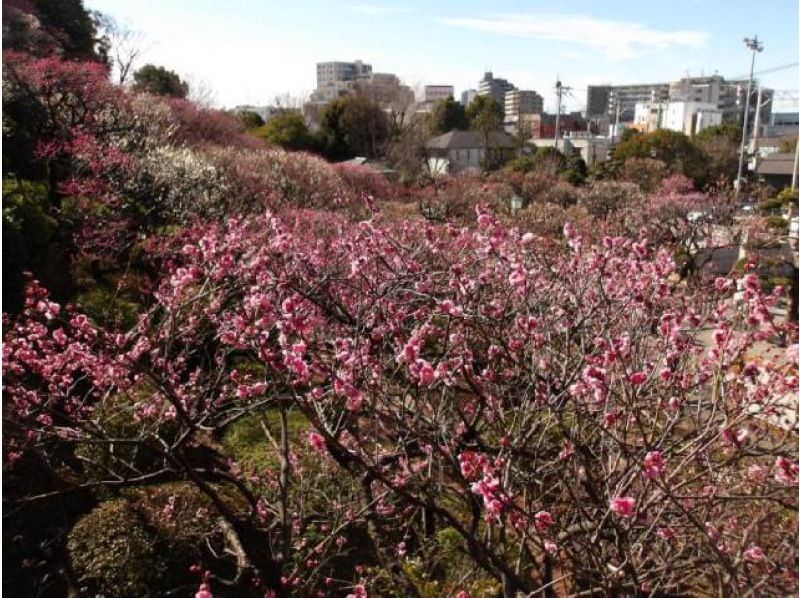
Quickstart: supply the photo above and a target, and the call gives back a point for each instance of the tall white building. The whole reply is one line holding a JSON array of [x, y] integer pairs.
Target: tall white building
[[335, 72], [467, 96], [691, 117], [491, 86], [687, 117], [336, 79]]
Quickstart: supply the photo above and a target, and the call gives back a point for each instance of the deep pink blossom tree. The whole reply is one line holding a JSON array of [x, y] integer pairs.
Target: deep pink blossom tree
[[552, 405]]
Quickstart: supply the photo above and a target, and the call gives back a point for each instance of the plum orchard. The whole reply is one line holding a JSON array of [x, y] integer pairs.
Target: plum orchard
[[545, 401]]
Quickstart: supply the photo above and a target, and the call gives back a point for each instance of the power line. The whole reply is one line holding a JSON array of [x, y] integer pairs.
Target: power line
[[774, 69]]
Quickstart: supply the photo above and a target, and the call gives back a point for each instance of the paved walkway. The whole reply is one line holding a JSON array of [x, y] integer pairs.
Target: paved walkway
[[786, 414]]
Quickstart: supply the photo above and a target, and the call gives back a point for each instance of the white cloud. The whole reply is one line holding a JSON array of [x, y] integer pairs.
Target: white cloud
[[374, 9], [618, 39]]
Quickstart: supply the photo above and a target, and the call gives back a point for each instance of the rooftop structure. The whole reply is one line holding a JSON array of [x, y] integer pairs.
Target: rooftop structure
[[470, 139]]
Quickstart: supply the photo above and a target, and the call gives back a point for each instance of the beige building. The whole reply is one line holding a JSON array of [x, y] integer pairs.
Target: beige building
[[519, 103]]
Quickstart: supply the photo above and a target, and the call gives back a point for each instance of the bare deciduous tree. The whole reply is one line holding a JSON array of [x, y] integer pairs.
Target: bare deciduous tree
[[126, 46], [200, 91]]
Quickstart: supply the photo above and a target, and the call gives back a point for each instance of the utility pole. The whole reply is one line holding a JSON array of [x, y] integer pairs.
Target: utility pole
[[658, 122], [755, 46], [558, 112], [757, 118], [794, 169], [616, 122]]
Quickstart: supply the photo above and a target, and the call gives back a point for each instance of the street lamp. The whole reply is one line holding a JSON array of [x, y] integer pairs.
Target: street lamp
[[755, 46]]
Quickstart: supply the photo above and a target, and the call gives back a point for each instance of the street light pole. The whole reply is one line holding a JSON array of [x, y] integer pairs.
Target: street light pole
[[755, 46]]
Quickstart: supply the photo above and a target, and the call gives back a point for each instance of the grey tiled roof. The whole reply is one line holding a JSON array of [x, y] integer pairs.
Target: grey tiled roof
[[778, 163], [470, 139]]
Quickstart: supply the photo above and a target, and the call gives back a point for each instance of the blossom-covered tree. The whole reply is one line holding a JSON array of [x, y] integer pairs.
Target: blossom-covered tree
[[549, 405], [479, 402]]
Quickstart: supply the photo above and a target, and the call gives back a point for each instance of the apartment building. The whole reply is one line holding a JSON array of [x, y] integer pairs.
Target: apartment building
[[337, 79], [329, 73], [518, 103], [727, 96], [496, 88], [626, 96], [435, 93]]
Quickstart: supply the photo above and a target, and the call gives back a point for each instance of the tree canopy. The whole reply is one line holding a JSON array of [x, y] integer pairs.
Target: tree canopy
[[354, 126], [160, 81], [675, 149], [288, 130], [551, 162], [730, 130], [485, 114], [250, 119], [447, 115], [62, 27]]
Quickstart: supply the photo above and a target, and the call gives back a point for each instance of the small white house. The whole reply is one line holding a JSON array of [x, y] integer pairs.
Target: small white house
[[457, 151]]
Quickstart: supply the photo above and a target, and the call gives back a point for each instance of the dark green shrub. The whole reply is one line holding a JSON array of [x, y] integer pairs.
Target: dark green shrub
[[108, 308], [778, 223], [31, 243], [113, 553]]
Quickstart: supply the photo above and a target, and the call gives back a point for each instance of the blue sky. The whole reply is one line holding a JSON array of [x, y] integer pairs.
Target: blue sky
[[249, 51]]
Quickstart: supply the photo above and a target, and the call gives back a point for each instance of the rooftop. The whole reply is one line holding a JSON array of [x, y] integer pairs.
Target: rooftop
[[470, 139], [780, 163]]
